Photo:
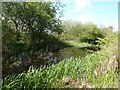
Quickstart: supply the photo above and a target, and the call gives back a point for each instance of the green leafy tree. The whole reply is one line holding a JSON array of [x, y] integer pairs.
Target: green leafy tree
[[24, 27], [91, 33], [33, 18]]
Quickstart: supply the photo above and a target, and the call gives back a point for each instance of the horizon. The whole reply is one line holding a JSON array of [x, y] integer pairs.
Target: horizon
[[103, 13]]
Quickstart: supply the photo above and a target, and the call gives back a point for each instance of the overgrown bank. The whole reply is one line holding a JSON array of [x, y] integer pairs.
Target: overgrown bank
[[73, 72], [32, 32]]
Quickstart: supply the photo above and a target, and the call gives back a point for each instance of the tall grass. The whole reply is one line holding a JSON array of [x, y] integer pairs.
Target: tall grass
[[75, 68]]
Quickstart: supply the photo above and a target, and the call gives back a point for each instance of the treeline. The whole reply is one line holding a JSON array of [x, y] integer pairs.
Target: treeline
[[89, 33]]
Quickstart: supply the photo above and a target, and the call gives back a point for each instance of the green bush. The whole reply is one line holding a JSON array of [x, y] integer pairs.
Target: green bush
[[91, 34]]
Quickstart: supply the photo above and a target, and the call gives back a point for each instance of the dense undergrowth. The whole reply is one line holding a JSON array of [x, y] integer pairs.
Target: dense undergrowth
[[28, 41], [73, 72]]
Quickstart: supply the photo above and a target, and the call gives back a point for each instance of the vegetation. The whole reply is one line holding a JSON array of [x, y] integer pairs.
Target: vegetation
[[23, 32], [33, 35], [75, 68]]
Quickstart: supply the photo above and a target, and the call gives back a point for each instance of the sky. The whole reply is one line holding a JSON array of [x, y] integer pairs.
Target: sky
[[100, 12]]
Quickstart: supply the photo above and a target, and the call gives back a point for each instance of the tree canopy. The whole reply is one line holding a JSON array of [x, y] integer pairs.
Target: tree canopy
[[31, 19]]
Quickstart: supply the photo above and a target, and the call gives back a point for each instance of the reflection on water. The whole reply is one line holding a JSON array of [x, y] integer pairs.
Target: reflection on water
[[70, 52], [45, 59]]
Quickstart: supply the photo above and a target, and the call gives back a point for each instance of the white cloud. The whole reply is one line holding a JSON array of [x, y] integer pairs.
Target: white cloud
[[78, 14], [80, 4], [85, 17]]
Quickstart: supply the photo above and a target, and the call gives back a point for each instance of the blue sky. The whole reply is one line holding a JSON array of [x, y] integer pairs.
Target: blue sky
[[100, 12]]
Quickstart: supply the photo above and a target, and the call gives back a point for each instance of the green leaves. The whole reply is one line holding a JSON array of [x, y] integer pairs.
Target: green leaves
[[25, 24], [91, 35], [84, 32], [33, 18]]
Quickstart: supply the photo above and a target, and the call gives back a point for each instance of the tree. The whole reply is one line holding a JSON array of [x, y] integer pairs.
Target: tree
[[91, 34], [32, 18], [24, 30]]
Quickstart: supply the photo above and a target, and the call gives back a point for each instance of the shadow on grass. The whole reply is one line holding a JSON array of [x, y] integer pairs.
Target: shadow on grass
[[54, 44], [92, 48]]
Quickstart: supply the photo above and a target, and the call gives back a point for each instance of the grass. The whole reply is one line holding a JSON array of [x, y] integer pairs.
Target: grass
[[74, 70], [77, 43]]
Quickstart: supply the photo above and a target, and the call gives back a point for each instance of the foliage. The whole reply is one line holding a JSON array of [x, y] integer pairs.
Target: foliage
[[109, 37], [30, 30], [32, 18], [88, 33], [78, 44], [75, 68], [24, 29], [91, 34]]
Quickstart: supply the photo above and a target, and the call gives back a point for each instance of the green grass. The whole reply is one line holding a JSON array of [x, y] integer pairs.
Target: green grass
[[77, 43], [75, 68]]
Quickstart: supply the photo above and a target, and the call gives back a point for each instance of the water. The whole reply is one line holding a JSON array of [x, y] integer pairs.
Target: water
[[71, 52], [64, 53]]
